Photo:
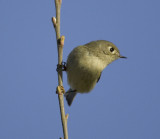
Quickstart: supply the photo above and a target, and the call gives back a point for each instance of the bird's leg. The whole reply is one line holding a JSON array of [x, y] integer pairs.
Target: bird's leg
[[60, 90], [61, 67]]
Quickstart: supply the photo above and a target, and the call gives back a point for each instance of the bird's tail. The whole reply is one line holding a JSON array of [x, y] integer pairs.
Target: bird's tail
[[70, 95]]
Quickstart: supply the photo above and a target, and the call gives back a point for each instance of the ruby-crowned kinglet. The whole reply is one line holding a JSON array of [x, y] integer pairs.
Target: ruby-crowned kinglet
[[85, 64]]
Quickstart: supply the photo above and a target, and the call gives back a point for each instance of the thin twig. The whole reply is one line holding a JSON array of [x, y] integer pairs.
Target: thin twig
[[60, 90]]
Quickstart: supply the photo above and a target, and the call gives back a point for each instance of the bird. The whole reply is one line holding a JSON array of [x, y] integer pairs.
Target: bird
[[85, 64]]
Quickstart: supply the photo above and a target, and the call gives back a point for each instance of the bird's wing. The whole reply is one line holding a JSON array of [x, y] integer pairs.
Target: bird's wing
[[99, 77]]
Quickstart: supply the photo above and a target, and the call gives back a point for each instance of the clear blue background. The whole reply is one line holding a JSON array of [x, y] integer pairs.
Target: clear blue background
[[125, 104]]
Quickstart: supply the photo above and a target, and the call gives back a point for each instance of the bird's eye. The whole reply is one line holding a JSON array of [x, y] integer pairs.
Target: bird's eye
[[111, 49]]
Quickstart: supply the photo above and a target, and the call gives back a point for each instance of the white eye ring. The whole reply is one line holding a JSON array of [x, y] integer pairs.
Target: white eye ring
[[111, 49]]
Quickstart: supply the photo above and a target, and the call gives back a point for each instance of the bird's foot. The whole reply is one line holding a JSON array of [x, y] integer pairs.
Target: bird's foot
[[60, 90], [61, 67]]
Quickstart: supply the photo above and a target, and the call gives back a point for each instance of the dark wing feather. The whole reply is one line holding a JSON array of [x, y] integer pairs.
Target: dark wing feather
[[99, 77]]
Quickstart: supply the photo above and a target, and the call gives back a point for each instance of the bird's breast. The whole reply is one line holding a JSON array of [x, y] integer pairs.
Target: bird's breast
[[94, 64], [83, 74]]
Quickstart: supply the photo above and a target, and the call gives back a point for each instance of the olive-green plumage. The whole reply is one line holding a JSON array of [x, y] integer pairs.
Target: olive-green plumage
[[85, 64]]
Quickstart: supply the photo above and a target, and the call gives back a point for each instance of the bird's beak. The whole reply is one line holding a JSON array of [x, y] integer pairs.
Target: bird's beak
[[122, 56]]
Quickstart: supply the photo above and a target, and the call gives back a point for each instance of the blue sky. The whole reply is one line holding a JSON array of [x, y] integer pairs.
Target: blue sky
[[123, 105]]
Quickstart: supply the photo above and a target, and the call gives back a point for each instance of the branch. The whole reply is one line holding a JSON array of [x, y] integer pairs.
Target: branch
[[60, 90]]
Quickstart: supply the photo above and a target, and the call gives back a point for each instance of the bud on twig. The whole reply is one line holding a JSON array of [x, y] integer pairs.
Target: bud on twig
[[62, 40], [54, 21], [67, 115]]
